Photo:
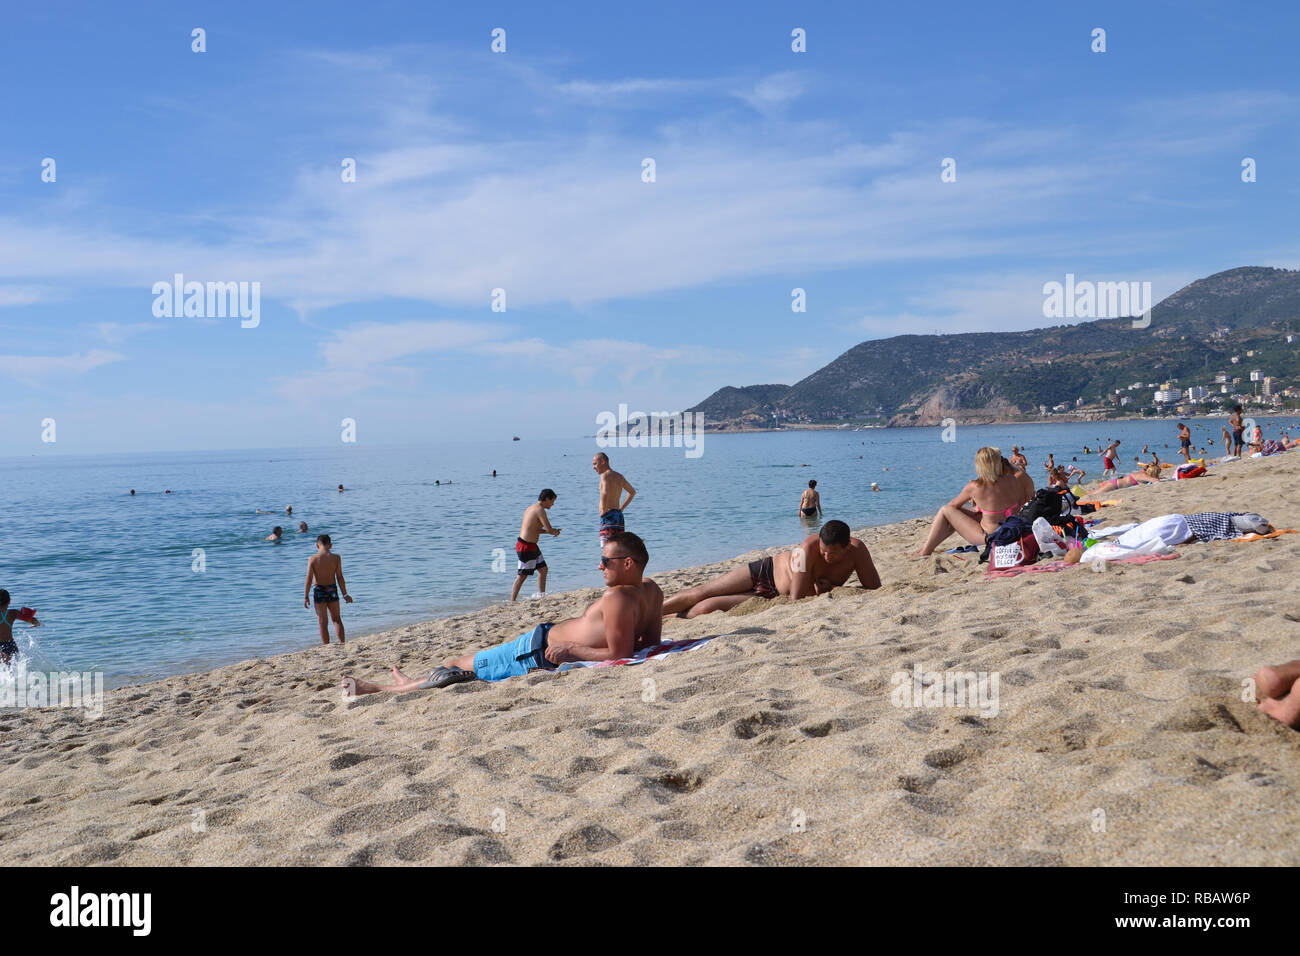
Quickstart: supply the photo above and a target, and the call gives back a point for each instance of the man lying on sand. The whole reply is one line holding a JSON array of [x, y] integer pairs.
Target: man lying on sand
[[627, 618], [820, 562], [1278, 690]]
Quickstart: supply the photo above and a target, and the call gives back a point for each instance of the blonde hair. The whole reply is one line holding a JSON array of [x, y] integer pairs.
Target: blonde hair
[[989, 465]]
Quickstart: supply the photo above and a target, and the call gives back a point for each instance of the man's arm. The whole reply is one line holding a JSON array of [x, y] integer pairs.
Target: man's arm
[[868, 577], [546, 525], [306, 591], [619, 613], [802, 584], [343, 585], [631, 493]]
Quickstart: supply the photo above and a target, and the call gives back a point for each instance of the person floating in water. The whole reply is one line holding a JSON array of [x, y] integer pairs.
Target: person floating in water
[[302, 527], [612, 486], [627, 618], [810, 502], [325, 570], [276, 533], [132, 492], [816, 565], [7, 617], [340, 489], [535, 523]]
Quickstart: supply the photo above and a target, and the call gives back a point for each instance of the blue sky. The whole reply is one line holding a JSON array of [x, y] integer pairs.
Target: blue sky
[[522, 171]]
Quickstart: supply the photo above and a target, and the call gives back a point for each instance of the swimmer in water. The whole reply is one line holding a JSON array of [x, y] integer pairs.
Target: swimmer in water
[[340, 489], [810, 502], [7, 617], [275, 534], [302, 527]]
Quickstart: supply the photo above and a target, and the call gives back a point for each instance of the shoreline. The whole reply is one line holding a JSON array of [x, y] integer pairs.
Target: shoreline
[[1120, 692]]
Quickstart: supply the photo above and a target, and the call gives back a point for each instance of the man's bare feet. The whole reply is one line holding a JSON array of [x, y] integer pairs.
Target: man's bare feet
[[1287, 710], [1269, 683], [1276, 681], [353, 687]]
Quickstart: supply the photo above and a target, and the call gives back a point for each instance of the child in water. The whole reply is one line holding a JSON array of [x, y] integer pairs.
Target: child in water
[[7, 646]]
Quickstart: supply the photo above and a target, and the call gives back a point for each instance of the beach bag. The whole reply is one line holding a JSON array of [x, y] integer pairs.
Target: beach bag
[[1056, 506], [1190, 471], [1013, 545]]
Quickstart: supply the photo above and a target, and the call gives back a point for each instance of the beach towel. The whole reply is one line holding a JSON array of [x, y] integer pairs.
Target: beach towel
[[657, 650], [1272, 534], [1062, 566]]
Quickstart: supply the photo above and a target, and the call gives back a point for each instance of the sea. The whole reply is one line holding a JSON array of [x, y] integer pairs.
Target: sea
[[179, 577]]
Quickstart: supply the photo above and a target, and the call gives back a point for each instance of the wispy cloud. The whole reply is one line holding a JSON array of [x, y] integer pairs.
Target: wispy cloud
[[39, 369]]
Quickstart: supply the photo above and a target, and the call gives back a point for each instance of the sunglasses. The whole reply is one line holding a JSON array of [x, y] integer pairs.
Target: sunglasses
[[604, 561]]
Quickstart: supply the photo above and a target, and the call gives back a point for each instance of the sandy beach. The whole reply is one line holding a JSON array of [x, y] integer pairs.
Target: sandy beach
[[1121, 735]]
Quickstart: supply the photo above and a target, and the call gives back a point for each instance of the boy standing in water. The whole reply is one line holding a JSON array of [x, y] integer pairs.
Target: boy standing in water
[[534, 525], [7, 646], [324, 568]]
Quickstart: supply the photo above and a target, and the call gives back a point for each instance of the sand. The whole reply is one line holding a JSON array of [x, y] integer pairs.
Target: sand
[[1121, 735]]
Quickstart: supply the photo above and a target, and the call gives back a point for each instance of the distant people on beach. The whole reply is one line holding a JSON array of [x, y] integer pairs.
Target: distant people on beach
[[276, 534], [810, 502], [535, 523], [324, 579], [627, 618], [612, 485], [816, 565], [1257, 441], [1184, 441], [1277, 690], [1238, 425], [997, 491], [7, 617]]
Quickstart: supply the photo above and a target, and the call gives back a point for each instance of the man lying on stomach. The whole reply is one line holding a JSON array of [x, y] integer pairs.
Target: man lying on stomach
[[819, 563], [627, 618]]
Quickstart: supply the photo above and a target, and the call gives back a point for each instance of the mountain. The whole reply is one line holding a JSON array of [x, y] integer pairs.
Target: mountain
[[987, 376]]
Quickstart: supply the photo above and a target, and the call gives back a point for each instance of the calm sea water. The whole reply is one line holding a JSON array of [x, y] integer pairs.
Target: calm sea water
[[112, 576]]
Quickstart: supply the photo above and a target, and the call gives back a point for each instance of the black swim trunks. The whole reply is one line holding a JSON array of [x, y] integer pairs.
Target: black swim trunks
[[530, 557], [808, 512], [1236, 435], [325, 593], [761, 577]]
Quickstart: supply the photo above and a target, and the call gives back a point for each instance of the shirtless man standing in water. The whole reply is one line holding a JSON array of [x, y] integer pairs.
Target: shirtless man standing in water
[[612, 486], [817, 564], [627, 618]]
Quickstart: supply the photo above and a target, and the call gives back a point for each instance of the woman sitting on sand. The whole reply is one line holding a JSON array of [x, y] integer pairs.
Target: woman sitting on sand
[[997, 490], [1147, 474]]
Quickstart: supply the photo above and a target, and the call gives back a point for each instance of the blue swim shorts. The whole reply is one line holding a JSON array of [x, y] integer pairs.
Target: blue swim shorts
[[611, 522], [515, 657]]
